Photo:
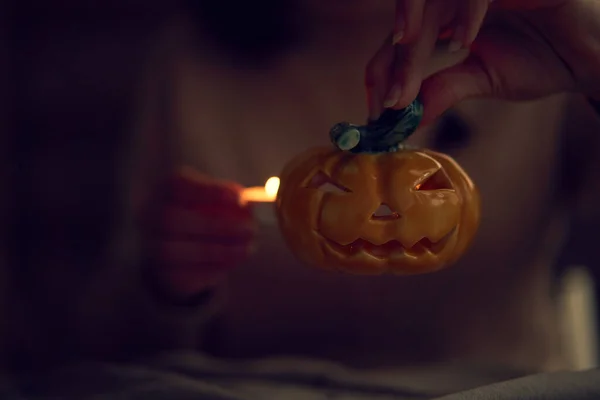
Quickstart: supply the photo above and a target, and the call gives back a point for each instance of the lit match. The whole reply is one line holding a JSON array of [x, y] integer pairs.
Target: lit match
[[261, 194]]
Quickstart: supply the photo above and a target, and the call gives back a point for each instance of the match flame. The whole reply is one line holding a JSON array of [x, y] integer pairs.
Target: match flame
[[272, 186]]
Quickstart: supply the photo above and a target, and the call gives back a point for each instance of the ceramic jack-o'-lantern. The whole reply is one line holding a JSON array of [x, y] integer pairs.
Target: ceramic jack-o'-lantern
[[386, 209]]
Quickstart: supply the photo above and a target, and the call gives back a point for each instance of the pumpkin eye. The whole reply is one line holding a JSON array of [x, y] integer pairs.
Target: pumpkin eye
[[436, 181], [321, 181]]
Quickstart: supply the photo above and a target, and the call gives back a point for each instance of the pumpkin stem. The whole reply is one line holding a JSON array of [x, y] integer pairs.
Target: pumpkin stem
[[383, 135]]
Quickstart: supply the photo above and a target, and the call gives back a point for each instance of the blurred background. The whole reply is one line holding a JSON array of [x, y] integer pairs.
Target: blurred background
[[72, 77]]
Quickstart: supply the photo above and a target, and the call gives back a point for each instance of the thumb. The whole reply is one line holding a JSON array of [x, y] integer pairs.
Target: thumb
[[446, 88]]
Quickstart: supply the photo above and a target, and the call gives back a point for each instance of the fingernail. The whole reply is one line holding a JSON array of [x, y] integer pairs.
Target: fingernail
[[393, 97], [397, 37], [457, 40]]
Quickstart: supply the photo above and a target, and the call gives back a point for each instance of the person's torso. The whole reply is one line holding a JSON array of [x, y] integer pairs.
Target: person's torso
[[244, 125]]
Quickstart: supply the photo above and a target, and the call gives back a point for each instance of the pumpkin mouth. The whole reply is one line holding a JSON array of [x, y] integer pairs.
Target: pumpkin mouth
[[392, 247], [384, 213]]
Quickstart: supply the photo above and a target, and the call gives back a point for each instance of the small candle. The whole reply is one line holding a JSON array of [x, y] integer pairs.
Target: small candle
[[261, 194]]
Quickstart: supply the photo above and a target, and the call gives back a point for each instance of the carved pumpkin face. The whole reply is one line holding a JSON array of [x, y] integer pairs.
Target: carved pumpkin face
[[405, 212]]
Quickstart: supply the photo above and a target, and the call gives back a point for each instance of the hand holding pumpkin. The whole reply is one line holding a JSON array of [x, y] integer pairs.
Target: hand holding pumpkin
[[525, 49], [203, 232]]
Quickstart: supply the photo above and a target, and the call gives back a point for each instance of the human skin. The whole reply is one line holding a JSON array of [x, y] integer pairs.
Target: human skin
[[524, 50]]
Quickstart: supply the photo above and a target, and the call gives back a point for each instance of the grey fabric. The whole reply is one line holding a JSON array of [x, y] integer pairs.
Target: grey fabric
[[186, 376], [584, 385]]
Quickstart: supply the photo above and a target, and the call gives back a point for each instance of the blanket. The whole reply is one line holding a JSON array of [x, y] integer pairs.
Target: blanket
[[183, 376]]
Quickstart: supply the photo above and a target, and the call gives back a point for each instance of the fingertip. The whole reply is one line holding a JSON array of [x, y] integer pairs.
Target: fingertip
[[373, 104], [470, 21], [394, 95], [377, 77], [192, 190], [409, 19], [406, 96], [406, 33], [403, 102], [228, 191]]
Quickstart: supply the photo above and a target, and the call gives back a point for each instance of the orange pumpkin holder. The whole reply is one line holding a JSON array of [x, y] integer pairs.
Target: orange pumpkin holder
[[405, 212]]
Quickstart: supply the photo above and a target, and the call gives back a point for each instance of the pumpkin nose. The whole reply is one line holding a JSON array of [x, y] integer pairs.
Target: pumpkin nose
[[384, 212]]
